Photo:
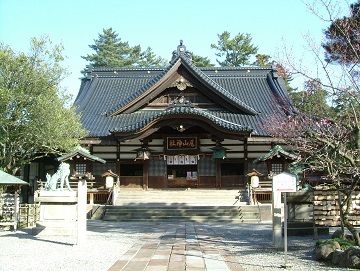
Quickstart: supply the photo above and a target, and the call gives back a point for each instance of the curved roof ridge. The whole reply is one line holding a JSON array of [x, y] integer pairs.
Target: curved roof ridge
[[216, 86], [106, 69], [185, 109], [197, 72], [152, 81], [236, 68]]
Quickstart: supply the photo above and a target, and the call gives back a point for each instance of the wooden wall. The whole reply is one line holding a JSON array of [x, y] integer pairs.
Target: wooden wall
[[239, 150]]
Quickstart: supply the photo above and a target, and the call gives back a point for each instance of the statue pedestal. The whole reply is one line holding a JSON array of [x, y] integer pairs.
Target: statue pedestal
[[58, 213]]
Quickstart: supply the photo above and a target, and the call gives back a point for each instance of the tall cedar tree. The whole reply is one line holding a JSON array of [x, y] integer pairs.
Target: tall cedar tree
[[110, 51], [234, 52]]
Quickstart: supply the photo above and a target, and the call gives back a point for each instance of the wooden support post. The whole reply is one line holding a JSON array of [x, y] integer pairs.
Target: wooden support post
[[246, 164], [146, 174], [218, 173], [91, 200], [16, 208]]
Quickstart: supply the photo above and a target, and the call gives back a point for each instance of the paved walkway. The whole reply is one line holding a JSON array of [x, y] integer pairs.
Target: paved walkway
[[183, 246], [166, 245]]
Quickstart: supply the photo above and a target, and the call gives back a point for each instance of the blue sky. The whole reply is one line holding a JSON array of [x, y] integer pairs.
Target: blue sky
[[159, 24]]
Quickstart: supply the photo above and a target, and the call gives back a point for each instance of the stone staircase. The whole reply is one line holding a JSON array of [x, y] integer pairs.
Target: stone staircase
[[188, 197], [196, 205]]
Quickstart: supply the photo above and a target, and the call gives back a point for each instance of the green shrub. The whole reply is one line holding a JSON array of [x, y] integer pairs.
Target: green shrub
[[344, 243]]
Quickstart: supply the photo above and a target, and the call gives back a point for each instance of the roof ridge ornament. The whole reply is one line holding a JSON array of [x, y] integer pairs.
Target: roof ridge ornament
[[181, 84], [181, 101], [181, 51]]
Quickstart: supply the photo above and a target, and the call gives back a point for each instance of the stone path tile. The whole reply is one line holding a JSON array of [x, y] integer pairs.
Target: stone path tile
[[184, 246]]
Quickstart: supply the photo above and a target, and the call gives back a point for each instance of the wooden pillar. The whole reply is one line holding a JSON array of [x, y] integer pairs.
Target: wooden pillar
[[118, 163], [146, 174], [218, 173], [246, 164], [16, 207], [91, 198]]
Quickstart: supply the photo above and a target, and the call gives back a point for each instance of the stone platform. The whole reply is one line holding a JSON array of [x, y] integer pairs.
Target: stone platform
[[58, 213]]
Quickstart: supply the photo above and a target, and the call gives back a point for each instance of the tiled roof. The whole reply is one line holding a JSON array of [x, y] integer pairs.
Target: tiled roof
[[182, 111], [257, 92], [218, 89], [277, 151], [82, 152]]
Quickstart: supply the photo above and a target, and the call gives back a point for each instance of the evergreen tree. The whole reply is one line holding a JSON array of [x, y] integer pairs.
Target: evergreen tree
[[312, 101], [110, 51], [262, 60], [201, 61], [234, 52], [149, 59], [342, 38]]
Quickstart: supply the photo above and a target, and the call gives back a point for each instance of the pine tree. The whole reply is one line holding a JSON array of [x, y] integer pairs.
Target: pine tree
[[234, 52], [201, 61], [111, 52]]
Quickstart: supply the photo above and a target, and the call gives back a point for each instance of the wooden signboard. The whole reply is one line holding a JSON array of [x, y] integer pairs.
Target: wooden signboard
[[181, 143]]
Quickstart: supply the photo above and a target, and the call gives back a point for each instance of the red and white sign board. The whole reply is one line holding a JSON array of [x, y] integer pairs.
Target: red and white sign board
[[284, 182]]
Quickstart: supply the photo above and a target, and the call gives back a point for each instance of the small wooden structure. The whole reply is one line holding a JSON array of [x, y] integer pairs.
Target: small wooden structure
[[81, 164], [277, 160], [9, 202]]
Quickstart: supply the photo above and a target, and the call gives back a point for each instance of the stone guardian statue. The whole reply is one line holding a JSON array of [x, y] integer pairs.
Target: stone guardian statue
[[61, 176]]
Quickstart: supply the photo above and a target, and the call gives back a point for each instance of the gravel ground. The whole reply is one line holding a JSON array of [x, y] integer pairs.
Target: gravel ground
[[252, 245], [106, 241]]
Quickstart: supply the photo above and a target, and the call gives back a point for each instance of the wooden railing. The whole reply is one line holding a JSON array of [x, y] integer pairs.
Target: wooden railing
[[97, 196], [264, 192]]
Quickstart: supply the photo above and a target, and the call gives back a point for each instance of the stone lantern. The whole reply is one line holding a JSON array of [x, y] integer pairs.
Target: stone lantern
[[254, 184], [109, 179]]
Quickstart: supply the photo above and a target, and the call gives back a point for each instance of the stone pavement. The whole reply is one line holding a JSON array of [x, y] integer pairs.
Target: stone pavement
[[182, 246]]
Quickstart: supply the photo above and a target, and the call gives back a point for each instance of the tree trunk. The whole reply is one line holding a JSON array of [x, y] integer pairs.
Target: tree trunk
[[353, 231], [345, 217], [342, 223]]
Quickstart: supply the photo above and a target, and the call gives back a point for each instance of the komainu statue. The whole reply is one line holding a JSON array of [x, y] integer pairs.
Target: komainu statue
[[61, 176]]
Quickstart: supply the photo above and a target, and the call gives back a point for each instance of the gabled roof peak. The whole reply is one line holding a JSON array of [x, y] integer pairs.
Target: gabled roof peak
[[181, 52]]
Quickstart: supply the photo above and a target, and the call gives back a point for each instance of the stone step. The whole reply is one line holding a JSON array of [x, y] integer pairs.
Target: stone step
[[174, 214], [196, 213], [189, 197], [193, 218]]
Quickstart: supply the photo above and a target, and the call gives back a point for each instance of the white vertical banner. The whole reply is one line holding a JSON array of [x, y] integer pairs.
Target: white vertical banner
[[187, 160]]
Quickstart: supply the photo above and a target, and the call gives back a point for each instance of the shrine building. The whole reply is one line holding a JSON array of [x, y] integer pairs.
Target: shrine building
[[182, 125]]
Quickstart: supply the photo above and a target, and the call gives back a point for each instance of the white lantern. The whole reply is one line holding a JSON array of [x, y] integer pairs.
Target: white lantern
[[254, 181], [109, 181]]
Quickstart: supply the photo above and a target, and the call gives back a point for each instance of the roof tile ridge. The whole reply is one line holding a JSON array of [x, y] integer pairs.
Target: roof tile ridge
[[152, 81], [219, 87], [107, 69], [187, 110], [227, 68]]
